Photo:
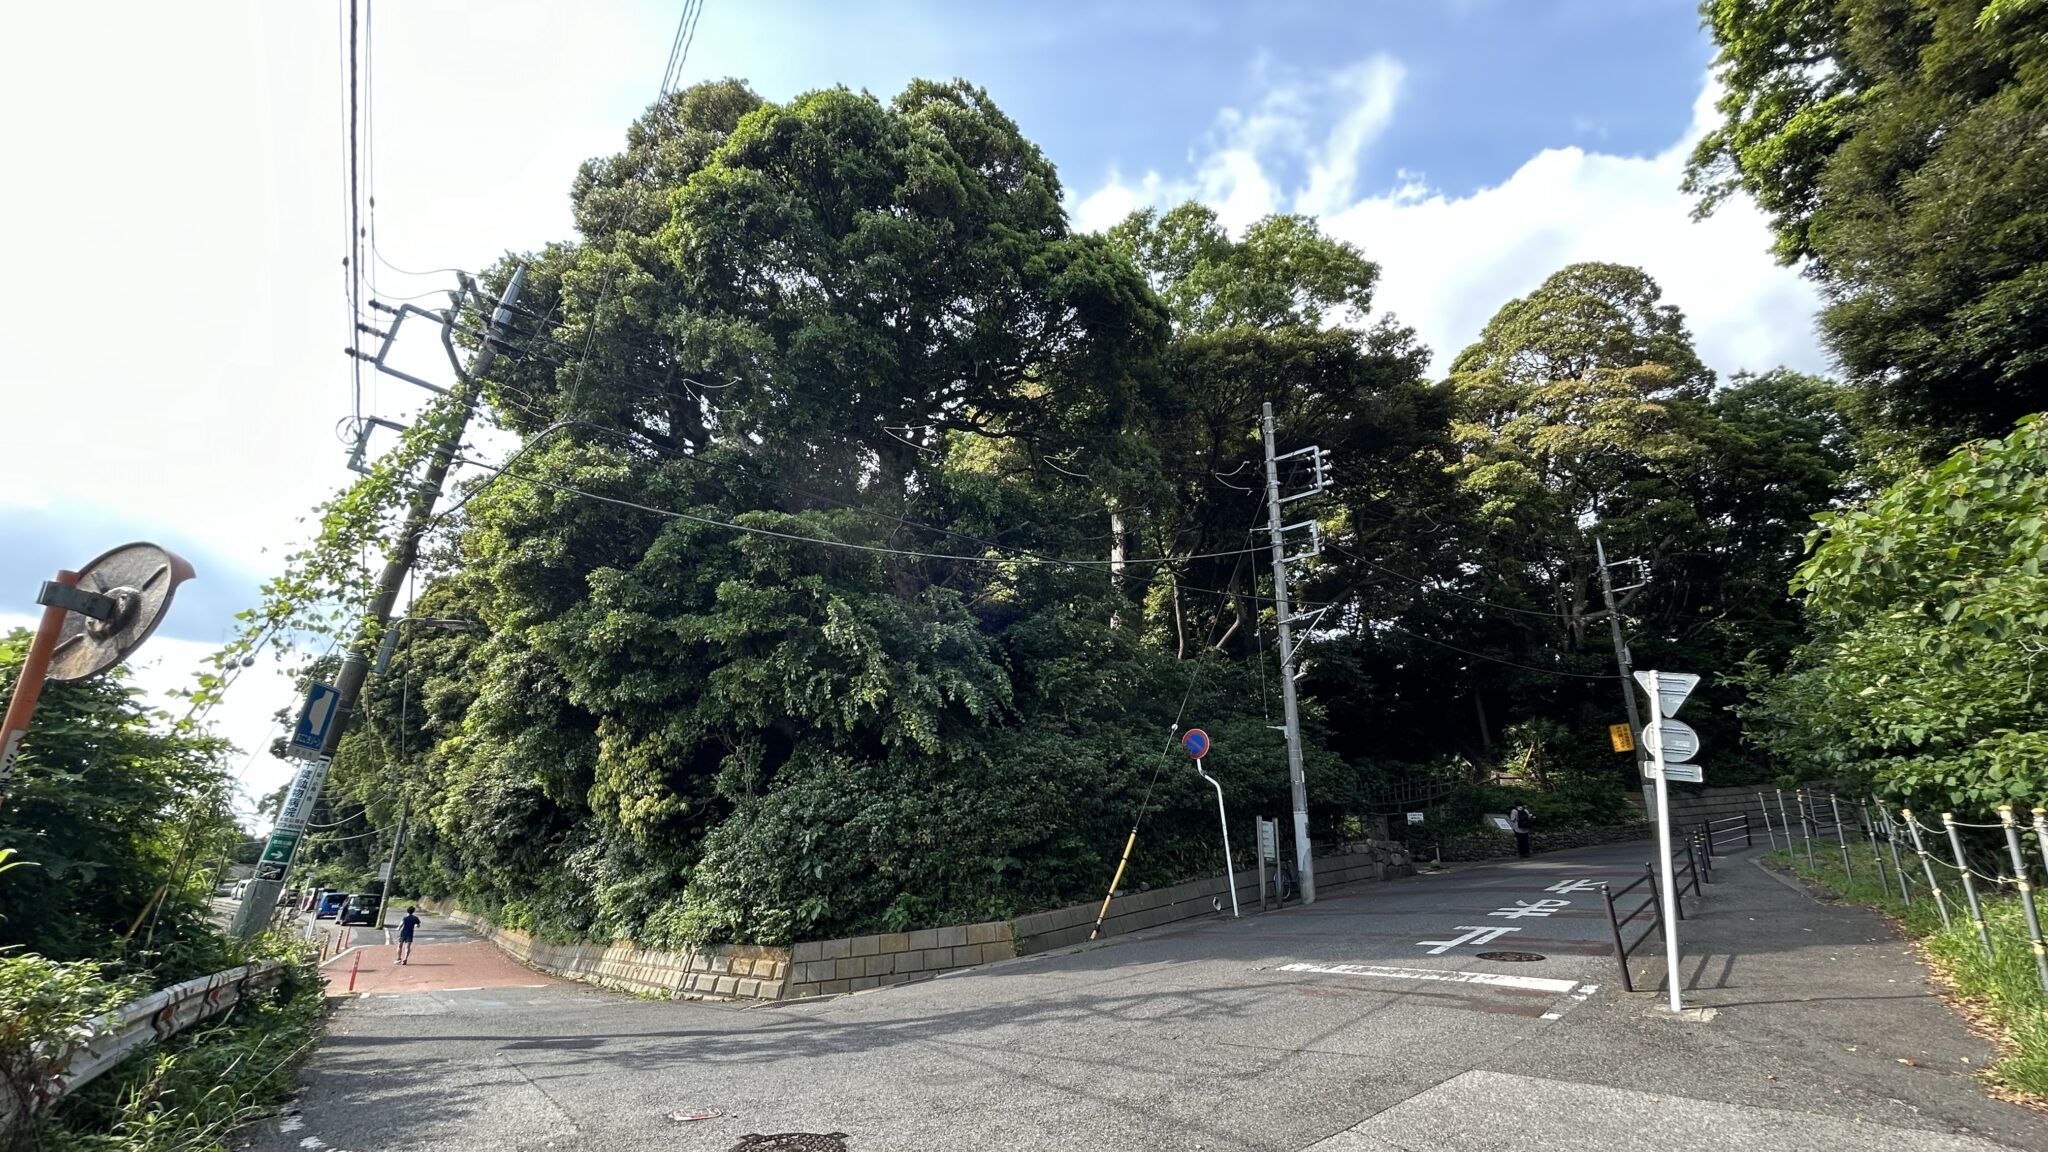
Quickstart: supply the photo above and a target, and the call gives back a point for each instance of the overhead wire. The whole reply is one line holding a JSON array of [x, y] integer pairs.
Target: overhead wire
[[708, 521]]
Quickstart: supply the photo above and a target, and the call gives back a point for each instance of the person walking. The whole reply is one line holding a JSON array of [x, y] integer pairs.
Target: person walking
[[1523, 822], [412, 921]]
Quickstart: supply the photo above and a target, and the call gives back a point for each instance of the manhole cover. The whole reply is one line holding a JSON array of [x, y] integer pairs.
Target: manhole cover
[[1514, 957]]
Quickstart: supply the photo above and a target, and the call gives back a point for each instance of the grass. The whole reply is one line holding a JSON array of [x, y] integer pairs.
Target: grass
[[2002, 992], [192, 1093]]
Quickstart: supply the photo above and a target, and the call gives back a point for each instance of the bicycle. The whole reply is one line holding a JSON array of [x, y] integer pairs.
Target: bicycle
[[1284, 885]]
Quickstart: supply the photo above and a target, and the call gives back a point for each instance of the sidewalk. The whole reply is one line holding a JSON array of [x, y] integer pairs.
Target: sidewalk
[[446, 958], [1821, 1030]]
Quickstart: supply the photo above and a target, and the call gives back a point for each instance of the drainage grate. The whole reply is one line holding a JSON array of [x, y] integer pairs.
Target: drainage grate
[[1515, 957], [792, 1142]]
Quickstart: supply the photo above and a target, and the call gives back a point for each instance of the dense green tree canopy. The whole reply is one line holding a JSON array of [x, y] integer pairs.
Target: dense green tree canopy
[[1900, 147]]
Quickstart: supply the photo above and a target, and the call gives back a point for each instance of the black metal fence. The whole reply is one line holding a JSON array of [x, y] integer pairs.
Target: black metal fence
[[1616, 921]]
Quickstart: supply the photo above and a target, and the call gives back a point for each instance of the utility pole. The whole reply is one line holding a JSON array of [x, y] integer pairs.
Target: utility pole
[[1304, 861], [1621, 656], [261, 895], [391, 866]]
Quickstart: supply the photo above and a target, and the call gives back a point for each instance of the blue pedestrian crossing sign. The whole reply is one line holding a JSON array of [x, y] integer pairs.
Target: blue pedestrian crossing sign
[[309, 735], [1196, 742]]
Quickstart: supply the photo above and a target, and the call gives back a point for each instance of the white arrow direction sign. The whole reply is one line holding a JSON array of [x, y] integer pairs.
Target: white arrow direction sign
[[1668, 689], [1674, 738]]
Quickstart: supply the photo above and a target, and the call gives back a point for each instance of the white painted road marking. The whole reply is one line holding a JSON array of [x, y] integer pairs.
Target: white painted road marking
[[1522, 908], [1473, 934], [1569, 886], [1491, 979]]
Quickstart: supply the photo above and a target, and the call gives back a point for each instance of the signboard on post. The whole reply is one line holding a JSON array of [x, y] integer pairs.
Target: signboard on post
[[1269, 839], [1623, 739], [309, 735], [1669, 744], [1668, 689], [1671, 739], [1415, 817], [1196, 743]]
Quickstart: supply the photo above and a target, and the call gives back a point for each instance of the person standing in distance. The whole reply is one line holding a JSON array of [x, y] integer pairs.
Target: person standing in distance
[[1523, 822], [412, 921]]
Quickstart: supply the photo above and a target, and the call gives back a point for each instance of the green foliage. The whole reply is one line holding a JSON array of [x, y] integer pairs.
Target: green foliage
[[108, 804], [856, 577], [188, 1094], [1927, 608], [1898, 146], [45, 1007]]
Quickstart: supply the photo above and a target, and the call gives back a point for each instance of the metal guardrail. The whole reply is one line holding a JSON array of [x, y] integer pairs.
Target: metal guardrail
[[1723, 833], [114, 1037]]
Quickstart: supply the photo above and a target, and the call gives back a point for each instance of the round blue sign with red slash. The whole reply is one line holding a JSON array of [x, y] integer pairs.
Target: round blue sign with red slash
[[1196, 742]]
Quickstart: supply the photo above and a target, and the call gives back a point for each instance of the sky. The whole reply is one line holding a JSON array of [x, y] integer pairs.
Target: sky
[[173, 192]]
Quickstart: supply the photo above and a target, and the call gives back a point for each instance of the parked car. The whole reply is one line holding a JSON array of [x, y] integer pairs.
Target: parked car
[[360, 908], [330, 905], [241, 887]]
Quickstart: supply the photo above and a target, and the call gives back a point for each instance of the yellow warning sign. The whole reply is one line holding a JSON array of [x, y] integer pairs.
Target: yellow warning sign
[[1621, 737]]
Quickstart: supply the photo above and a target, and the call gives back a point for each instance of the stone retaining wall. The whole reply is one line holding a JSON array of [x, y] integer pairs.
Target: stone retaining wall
[[858, 963], [1491, 845], [739, 971]]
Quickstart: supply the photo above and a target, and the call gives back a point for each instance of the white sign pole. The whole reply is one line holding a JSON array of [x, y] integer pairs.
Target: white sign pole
[[1229, 871], [1665, 874]]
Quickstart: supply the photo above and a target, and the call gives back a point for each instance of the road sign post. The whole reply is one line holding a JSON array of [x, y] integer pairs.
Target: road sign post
[[1667, 691], [1196, 743]]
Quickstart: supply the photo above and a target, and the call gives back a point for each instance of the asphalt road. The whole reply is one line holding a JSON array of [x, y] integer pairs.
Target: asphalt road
[[1369, 1021]]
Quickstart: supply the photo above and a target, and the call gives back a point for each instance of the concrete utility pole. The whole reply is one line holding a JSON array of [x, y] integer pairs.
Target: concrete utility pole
[[1621, 657], [261, 895], [1304, 860]]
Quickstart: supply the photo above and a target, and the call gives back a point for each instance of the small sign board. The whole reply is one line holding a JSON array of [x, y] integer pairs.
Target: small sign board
[[1415, 817], [1668, 689], [1196, 742], [1269, 839], [1674, 739], [1500, 821], [1690, 773], [1622, 737], [309, 735], [279, 849], [384, 871]]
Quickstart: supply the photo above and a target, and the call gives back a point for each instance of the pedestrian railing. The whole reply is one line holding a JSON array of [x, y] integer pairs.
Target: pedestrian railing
[[113, 1037], [1946, 873], [1724, 834], [1616, 921]]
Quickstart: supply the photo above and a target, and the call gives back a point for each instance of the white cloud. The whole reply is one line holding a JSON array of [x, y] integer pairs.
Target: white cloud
[[1449, 262]]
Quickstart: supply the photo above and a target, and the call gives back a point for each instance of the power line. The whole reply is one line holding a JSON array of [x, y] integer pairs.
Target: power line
[[708, 521], [1427, 586], [1493, 659]]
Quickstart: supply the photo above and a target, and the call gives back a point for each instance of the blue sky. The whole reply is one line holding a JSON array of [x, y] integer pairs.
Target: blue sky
[[1134, 86], [174, 213]]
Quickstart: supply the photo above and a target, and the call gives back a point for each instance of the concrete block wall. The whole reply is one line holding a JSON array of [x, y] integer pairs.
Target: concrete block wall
[[1690, 807], [733, 971], [1133, 911], [858, 963]]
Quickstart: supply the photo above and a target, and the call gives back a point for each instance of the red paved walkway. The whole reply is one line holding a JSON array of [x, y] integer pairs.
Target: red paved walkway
[[435, 967]]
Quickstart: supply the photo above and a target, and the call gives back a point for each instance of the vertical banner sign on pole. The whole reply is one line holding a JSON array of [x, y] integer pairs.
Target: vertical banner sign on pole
[[1667, 691]]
